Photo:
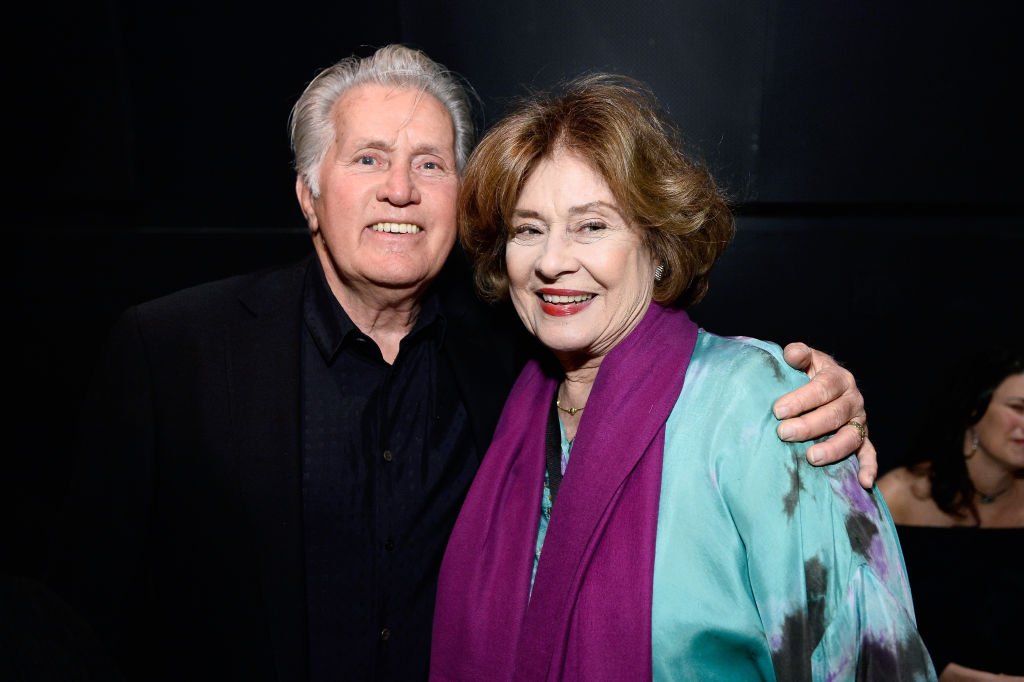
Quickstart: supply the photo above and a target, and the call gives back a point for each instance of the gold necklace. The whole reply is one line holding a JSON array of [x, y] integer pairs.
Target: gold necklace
[[571, 410]]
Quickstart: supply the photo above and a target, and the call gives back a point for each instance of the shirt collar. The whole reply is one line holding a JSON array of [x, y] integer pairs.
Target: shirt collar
[[330, 326]]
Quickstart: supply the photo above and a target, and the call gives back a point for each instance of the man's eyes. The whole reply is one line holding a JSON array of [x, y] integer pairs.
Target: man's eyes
[[431, 165]]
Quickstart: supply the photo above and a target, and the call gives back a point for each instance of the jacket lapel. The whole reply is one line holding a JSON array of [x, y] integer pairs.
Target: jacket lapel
[[264, 376], [484, 376], [484, 345]]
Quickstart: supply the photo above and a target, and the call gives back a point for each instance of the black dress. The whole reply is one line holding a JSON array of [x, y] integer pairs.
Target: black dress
[[968, 589]]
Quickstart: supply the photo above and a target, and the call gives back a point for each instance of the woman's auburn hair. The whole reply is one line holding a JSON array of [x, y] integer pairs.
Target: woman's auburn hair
[[617, 125]]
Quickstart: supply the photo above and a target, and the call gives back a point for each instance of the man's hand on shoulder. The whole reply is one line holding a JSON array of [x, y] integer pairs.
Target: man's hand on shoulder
[[830, 402]]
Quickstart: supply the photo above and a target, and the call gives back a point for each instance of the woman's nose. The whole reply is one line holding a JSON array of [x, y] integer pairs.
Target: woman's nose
[[559, 256]]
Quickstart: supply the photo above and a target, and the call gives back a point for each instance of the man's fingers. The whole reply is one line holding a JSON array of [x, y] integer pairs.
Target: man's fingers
[[797, 355], [839, 445], [846, 441], [820, 422], [812, 394], [827, 385], [868, 457], [825, 404]]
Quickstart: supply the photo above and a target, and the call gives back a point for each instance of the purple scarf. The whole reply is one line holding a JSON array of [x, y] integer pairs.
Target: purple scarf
[[590, 614]]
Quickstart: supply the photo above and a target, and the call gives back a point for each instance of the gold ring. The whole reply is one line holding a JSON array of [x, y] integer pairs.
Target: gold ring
[[861, 429]]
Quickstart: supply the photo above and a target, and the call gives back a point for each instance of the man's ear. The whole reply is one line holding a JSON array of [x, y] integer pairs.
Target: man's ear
[[305, 197]]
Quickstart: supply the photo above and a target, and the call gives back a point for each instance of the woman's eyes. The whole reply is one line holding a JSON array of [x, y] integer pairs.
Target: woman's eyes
[[585, 230], [525, 230]]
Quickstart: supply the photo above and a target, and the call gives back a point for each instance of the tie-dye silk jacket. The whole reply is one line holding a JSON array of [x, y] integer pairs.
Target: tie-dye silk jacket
[[767, 567]]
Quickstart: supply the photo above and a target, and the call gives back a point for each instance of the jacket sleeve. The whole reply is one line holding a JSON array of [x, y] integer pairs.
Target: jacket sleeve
[[101, 550], [824, 563]]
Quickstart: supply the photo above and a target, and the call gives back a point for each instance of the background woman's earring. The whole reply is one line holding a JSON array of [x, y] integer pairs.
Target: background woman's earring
[[659, 272], [974, 444]]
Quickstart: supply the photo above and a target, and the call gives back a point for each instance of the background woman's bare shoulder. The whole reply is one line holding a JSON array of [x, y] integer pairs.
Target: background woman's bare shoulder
[[907, 492]]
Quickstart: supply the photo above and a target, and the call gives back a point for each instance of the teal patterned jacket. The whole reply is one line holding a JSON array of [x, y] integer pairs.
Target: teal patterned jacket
[[767, 567]]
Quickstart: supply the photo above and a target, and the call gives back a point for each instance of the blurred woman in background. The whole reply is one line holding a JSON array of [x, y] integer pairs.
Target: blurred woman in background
[[959, 510]]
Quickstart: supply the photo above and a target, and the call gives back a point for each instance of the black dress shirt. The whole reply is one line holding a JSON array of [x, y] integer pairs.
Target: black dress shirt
[[388, 456]]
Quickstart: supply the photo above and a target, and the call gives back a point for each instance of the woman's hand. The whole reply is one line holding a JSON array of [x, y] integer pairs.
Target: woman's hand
[[828, 403], [959, 673]]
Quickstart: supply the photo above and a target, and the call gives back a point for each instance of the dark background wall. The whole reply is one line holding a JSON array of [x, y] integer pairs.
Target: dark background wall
[[872, 149]]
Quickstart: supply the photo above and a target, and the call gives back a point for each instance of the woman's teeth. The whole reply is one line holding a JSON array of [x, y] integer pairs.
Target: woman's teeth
[[579, 298]]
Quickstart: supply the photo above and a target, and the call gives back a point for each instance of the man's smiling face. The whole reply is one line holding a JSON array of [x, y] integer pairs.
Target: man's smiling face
[[386, 212]]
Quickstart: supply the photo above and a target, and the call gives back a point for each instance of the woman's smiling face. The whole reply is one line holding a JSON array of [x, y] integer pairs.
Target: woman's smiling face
[[580, 275]]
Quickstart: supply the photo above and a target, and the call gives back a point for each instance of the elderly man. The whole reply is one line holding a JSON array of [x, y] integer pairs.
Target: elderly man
[[270, 465]]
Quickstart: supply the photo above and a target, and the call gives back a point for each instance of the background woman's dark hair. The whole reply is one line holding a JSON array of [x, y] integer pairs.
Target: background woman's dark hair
[[963, 399]]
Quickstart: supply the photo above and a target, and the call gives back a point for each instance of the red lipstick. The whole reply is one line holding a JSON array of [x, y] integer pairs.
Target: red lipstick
[[563, 309]]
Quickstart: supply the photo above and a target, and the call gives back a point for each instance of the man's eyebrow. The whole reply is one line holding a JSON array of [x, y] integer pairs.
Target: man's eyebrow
[[372, 143], [384, 145], [436, 150]]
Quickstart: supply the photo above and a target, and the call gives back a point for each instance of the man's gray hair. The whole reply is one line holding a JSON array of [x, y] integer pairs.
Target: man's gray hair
[[311, 124]]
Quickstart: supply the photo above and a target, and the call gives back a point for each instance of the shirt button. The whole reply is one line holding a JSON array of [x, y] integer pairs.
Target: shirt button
[[385, 635], [389, 545], [388, 456]]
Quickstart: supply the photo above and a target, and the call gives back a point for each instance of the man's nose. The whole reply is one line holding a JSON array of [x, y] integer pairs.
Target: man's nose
[[399, 187]]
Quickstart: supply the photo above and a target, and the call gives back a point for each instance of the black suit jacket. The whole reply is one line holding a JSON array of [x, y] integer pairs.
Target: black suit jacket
[[187, 550]]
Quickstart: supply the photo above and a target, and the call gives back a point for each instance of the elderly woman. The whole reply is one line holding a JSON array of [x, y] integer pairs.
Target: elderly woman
[[636, 515]]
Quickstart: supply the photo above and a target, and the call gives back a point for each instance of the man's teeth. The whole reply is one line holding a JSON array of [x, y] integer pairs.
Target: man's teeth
[[396, 228], [579, 298]]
